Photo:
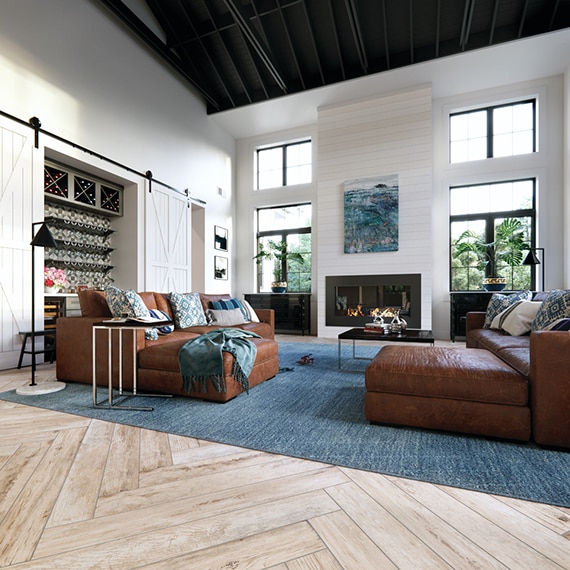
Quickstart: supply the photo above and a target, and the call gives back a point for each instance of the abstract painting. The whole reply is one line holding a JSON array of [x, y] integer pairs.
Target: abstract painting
[[371, 214]]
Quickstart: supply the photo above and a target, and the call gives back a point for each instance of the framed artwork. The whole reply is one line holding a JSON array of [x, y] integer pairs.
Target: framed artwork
[[220, 238], [220, 267], [371, 214]]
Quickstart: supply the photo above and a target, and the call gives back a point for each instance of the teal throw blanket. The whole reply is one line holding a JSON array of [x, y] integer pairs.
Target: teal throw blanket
[[201, 360]]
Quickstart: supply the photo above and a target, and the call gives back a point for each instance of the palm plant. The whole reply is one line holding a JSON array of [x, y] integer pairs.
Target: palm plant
[[277, 252], [506, 249]]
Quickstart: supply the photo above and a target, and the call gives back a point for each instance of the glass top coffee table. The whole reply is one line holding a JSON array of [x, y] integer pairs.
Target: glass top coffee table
[[359, 333]]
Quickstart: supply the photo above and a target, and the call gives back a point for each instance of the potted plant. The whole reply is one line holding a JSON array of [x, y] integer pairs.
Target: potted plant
[[506, 249], [277, 252]]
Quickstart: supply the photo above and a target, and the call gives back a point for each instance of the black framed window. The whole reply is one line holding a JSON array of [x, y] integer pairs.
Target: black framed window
[[481, 208], [491, 132], [288, 227], [284, 165]]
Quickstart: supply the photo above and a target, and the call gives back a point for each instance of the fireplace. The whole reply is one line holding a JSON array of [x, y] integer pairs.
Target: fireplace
[[353, 300]]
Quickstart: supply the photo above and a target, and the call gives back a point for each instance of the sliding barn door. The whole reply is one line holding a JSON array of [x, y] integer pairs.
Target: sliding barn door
[[16, 210], [167, 242]]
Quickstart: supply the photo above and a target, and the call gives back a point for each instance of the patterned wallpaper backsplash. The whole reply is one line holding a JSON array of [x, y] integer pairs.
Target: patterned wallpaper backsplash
[[84, 240]]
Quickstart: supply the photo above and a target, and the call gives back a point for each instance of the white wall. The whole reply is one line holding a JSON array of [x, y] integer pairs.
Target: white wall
[[73, 65]]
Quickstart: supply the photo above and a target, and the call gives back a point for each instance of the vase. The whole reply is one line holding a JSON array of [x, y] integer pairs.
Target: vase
[[51, 290], [279, 286], [494, 283]]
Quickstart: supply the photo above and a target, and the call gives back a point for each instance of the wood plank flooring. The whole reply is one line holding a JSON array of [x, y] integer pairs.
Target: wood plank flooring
[[78, 493]]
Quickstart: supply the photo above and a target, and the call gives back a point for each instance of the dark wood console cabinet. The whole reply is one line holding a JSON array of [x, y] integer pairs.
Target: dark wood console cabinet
[[292, 310], [461, 303]]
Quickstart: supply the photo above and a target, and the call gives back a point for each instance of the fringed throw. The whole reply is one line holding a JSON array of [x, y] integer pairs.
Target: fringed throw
[[201, 359]]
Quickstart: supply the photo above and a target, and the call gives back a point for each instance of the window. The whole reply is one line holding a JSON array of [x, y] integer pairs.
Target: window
[[287, 231], [503, 130], [284, 165], [480, 209]]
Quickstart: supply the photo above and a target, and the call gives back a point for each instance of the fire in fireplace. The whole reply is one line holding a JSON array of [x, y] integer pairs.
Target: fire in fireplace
[[354, 300]]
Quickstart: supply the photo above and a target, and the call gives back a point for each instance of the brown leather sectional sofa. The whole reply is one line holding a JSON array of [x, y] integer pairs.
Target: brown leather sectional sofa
[[542, 359], [510, 387], [157, 360]]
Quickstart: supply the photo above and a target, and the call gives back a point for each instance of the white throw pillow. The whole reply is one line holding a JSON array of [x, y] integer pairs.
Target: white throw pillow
[[250, 311], [518, 320], [226, 317]]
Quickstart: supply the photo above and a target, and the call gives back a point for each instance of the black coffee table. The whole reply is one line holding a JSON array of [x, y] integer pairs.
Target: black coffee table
[[409, 335]]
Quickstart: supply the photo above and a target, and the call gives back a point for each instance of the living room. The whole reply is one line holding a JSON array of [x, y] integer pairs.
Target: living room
[[211, 156], [81, 492]]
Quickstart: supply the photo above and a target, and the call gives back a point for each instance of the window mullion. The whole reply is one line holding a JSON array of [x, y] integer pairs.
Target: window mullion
[[489, 133]]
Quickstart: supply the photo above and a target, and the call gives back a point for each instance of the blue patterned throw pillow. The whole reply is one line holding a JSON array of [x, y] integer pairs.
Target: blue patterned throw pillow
[[230, 304], [166, 329], [187, 310], [556, 306], [500, 302], [135, 305], [115, 299]]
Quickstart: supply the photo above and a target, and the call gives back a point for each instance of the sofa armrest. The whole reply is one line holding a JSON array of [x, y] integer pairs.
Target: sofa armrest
[[474, 320], [550, 387], [74, 350]]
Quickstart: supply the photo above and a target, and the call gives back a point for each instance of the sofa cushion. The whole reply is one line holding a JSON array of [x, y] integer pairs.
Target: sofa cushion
[[556, 306], [517, 319], [225, 304], [499, 302], [187, 309], [250, 311], [225, 317], [166, 329]]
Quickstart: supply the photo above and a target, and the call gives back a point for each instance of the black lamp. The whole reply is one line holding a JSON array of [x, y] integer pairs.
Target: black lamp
[[532, 259], [42, 238]]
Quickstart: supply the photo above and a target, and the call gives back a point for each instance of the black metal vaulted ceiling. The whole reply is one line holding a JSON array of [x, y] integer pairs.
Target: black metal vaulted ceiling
[[238, 52]]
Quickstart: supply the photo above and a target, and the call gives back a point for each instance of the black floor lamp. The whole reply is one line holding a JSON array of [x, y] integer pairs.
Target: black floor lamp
[[42, 238], [532, 259]]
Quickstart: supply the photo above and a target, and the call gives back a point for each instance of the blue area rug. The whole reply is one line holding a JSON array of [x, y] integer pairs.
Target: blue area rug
[[316, 412]]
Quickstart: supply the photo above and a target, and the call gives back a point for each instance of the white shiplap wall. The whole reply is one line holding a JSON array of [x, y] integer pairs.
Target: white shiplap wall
[[388, 135]]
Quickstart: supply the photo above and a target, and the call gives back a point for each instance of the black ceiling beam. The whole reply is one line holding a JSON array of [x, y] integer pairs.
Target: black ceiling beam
[[466, 25], [386, 40], [437, 28], [229, 54], [337, 41], [142, 31], [357, 33], [249, 33], [554, 9], [411, 24], [313, 42], [493, 25], [523, 19], [291, 47]]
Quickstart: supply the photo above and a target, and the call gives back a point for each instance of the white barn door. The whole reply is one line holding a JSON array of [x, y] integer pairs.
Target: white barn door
[[16, 208], [167, 241]]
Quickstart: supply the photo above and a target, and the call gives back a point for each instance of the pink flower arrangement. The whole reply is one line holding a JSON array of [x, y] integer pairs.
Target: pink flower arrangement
[[54, 277]]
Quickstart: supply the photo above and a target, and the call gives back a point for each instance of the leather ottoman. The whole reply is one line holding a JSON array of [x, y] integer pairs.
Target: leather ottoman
[[159, 372], [468, 391]]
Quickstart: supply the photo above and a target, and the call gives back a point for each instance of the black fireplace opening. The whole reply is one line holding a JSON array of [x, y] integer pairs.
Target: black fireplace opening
[[354, 300]]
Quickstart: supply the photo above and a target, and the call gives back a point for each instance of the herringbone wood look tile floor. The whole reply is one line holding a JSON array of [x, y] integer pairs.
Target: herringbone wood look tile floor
[[77, 493]]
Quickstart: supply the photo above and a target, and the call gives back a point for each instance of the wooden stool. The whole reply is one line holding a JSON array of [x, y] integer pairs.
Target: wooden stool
[[32, 351]]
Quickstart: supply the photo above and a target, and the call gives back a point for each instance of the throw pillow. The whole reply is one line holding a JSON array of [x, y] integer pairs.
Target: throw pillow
[[166, 329], [135, 305], [226, 317], [559, 325], [230, 304], [518, 321], [187, 310], [555, 306], [251, 312], [500, 302], [115, 299]]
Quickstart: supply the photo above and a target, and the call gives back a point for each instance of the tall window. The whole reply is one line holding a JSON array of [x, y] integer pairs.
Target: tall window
[[502, 130], [284, 165], [480, 209], [287, 230]]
